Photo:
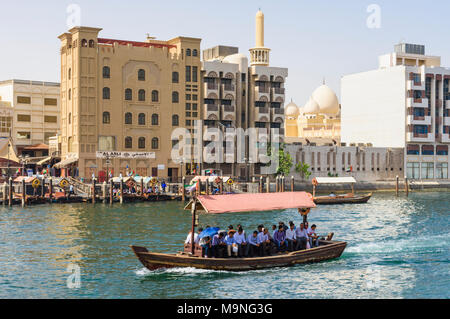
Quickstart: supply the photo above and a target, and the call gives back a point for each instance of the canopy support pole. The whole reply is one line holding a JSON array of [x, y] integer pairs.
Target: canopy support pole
[[193, 212], [314, 191]]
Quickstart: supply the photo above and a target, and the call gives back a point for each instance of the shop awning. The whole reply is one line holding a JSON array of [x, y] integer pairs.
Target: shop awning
[[66, 162], [45, 160], [334, 180], [218, 204]]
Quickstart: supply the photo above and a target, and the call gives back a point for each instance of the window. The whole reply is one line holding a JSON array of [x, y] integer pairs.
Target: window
[[260, 124], [50, 102], [141, 142], [141, 95], [412, 170], [427, 150], [260, 104], [5, 124], [188, 114], [442, 170], [128, 142], [84, 43], [412, 149], [155, 96], [155, 143], [106, 72], [175, 120], [194, 52], [194, 106], [141, 75], [70, 94], [419, 112], [23, 135], [188, 122], [23, 118], [155, 119], [106, 143], [175, 98], [195, 97], [106, 93], [128, 118], [188, 52], [188, 106], [417, 94], [188, 97], [188, 73], [70, 118], [442, 150], [420, 129], [128, 94], [106, 118], [427, 170], [141, 119], [70, 73], [50, 119], [194, 74], [91, 43], [175, 77], [24, 99]]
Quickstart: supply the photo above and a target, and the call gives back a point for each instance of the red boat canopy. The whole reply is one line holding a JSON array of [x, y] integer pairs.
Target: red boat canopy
[[218, 204]]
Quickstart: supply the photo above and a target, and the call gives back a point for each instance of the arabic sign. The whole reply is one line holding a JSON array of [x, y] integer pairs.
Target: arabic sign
[[129, 155]]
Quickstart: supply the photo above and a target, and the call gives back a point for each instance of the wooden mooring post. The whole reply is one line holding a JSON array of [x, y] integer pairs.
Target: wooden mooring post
[[406, 186], [105, 199], [111, 191], [267, 184], [276, 184], [260, 184], [396, 185], [292, 183], [183, 190], [93, 190], [121, 190], [23, 192], [50, 189], [4, 194], [10, 192]]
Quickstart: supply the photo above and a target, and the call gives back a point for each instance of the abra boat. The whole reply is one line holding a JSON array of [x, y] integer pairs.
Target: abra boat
[[349, 198], [218, 204]]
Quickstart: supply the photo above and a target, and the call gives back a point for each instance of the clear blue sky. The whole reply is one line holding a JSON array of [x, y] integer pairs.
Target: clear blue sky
[[314, 39]]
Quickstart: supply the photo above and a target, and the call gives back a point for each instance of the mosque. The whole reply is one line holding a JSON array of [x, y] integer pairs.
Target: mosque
[[318, 122]]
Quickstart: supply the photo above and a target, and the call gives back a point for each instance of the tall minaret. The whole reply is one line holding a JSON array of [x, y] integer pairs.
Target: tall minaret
[[259, 55]]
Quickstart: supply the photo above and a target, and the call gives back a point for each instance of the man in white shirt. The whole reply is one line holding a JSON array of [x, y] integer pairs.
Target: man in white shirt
[[313, 238], [291, 238], [241, 242], [196, 239], [302, 237]]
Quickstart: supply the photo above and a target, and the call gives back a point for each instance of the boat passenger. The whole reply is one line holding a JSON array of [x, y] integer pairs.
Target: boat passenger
[[284, 225], [217, 244], [332, 194], [291, 238], [205, 242], [263, 240], [163, 186], [302, 237], [313, 238], [241, 242], [196, 239], [232, 248], [279, 238], [274, 229], [253, 246]]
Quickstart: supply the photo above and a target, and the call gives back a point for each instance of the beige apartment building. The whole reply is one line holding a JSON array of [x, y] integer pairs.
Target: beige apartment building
[[31, 110], [120, 101]]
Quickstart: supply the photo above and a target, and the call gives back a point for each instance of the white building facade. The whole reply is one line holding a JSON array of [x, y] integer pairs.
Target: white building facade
[[35, 111], [405, 103]]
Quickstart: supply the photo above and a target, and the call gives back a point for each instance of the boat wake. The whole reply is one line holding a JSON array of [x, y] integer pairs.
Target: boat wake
[[413, 244], [191, 271]]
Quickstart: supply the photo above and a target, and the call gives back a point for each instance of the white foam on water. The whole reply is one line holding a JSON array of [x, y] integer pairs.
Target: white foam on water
[[190, 271], [420, 243]]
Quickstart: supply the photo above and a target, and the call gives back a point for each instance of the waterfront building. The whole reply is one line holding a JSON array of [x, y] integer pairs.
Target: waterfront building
[[31, 110], [317, 122], [242, 93], [404, 103], [364, 162], [121, 99]]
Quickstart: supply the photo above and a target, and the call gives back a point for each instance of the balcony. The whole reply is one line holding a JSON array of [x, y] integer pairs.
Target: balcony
[[228, 87], [421, 120], [228, 112], [412, 102], [210, 109], [446, 121], [417, 137], [262, 112], [214, 87], [411, 85]]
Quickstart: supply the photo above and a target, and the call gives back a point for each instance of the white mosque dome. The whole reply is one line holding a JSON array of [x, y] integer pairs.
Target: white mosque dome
[[311, 106], [326, 99], [291, 110], [238, 58]]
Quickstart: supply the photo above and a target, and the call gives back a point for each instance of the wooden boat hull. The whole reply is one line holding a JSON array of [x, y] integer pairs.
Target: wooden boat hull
[[326, 251], [327, 200]]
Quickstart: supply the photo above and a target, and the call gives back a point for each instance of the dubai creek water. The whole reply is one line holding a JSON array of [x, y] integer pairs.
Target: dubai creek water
[[397, 248]]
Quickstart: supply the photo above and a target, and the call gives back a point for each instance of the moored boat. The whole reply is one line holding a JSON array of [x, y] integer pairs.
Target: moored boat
[[350, 198], [192, 256]]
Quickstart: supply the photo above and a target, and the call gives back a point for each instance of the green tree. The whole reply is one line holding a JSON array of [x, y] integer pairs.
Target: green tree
[[303, 170], [285, 162]]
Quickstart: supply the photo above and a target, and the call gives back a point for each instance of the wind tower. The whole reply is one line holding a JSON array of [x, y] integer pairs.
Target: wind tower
[[259, 55]]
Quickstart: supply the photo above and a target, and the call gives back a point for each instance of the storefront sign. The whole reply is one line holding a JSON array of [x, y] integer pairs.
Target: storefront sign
[[127, 155]]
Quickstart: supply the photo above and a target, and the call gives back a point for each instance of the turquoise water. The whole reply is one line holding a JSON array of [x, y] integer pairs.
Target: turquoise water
[[398, 248]]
